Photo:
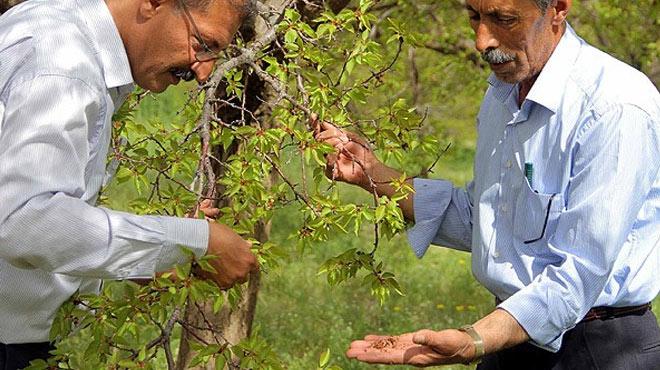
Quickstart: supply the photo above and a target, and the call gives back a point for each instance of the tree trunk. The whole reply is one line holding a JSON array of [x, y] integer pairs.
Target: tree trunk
[[235, 323]]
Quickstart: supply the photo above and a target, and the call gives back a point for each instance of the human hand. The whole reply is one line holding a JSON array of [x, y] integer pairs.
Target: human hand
[[353, 160], [210, 212], [234, 260], [422, 348]]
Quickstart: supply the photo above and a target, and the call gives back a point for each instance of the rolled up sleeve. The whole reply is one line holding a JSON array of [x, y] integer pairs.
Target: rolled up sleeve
[[442, 216]]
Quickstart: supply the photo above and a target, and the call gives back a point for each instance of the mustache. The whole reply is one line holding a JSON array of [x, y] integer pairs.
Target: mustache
[[497, 56]]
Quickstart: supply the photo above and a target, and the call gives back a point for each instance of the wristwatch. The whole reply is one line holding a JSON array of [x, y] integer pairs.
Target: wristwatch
[[476, 339]]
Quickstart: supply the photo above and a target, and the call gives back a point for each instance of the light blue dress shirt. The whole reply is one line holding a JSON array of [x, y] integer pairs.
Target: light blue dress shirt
[[585, 231], [63, 72]]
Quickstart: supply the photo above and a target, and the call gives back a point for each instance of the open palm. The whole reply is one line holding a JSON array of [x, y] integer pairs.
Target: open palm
[[422, 348]]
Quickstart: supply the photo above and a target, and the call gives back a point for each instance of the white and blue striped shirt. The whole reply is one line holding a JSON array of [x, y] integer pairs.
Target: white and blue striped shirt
[[585, 231], [63, 72]]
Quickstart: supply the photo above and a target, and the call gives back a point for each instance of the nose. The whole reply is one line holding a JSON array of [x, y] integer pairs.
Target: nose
[[203, 70], [484, 38]]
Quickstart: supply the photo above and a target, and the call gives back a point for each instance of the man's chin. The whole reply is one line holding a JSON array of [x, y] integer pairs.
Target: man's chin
[[506, 77], [510, 77], [159, 89], [154, 85]]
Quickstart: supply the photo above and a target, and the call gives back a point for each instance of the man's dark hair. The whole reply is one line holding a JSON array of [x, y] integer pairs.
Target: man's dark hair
[[245, 7]]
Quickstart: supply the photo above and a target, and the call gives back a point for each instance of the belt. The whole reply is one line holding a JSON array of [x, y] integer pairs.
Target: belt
[[605, 313]]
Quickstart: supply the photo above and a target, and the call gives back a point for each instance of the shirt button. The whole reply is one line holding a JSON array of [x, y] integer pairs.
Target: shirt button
[[508, 164], [496, 254], [503, 207]]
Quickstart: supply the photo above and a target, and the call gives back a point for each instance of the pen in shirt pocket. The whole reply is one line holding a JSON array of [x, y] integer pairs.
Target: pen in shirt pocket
[[529, 174]]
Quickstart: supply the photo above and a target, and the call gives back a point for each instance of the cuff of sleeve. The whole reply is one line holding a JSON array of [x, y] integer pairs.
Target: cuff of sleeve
[[544, 319], [182, 232], [430, 201]]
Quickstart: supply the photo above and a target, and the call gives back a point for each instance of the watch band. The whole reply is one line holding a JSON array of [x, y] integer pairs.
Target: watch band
[[476, 339]]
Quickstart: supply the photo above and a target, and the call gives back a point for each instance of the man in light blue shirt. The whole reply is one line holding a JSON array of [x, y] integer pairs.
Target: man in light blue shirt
[[563, 215], [65, 67]]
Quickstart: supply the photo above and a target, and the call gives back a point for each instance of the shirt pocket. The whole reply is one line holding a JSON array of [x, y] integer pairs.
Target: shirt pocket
[[536, 214]]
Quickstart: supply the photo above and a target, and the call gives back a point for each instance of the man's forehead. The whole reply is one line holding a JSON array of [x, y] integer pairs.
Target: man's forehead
[[237, 8], [230, 8], [220, 20], [488, 6]]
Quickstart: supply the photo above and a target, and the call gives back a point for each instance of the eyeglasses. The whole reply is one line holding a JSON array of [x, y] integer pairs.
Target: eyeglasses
[[545, 223], [206, 54]]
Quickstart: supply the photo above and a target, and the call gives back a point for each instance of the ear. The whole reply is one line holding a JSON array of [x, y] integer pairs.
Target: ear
[[560, 10], [149, 8]]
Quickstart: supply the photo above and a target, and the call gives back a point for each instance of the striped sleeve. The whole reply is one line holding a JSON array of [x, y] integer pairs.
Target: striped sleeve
[[44, 224]]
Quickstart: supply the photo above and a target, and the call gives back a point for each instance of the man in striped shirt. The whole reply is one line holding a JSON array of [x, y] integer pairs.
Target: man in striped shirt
[[562, 218], [65, 67]]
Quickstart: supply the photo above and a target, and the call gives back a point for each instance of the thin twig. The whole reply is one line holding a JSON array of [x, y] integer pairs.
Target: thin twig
[[298, 195]]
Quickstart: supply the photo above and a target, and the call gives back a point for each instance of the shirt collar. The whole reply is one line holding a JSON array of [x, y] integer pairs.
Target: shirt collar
[[501, 89], [108, 43], [548, 87]]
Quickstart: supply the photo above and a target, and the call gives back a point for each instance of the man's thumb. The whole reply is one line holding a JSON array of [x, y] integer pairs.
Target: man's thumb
[[424, 337]]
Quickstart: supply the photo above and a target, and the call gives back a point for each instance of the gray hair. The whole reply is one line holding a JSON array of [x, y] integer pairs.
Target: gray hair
[[543, 4]]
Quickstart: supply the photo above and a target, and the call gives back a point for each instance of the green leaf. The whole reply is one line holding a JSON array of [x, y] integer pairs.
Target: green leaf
[[181, 273], [206, 266], [220, 362], [292, 15], [217, 303], [183, 296], [380, 213], [37, 365], [325, 357], [290, 37]]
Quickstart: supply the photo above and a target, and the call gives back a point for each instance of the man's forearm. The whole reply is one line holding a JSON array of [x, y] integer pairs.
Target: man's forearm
[[499, 330]]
